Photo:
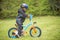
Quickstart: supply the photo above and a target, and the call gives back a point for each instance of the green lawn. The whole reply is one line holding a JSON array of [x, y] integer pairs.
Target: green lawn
[[50, 26]]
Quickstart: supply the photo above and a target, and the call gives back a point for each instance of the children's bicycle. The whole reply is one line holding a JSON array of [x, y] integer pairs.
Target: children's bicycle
[[35, 31]]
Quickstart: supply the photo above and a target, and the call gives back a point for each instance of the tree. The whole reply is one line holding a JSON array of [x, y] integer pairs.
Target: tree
[[55, 6]]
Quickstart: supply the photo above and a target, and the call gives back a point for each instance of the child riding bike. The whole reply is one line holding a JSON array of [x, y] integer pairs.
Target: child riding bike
[[21, 18]]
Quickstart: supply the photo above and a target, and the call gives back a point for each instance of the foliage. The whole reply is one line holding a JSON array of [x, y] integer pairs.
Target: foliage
[[9, 8], [55, 6]]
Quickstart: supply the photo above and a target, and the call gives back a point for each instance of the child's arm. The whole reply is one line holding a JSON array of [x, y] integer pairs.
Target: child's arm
[[23, 14]]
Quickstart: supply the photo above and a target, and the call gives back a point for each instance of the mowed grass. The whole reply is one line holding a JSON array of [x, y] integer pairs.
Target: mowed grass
[[49, 25]]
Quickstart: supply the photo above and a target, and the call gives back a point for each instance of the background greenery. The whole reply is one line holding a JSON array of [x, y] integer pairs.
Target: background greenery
[[9, 8]]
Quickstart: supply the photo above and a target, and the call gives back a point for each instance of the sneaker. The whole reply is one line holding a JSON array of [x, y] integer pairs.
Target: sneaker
[[17, 36]]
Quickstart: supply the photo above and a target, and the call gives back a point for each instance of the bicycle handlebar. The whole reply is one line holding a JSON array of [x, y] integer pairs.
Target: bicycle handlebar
[[31, 17]]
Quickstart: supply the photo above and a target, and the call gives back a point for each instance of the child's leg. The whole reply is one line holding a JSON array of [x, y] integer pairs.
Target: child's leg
[[20, 27]]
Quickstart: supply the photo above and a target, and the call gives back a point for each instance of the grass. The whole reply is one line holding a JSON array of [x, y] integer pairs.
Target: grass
[[50, 26]]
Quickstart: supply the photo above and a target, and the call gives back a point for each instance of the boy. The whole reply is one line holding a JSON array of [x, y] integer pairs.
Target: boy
[[21, 17]]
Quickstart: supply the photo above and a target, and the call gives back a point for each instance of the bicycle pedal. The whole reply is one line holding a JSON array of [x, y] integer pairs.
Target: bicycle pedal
[[26, 32]]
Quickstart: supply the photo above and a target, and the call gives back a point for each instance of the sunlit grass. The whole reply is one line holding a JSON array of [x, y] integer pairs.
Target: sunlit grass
[[50, 26]]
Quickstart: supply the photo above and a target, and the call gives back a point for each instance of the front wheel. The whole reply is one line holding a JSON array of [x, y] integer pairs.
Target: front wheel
[[35, 32]]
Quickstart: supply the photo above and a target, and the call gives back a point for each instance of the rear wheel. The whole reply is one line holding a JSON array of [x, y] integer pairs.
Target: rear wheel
[[35, 32], [11, 32]]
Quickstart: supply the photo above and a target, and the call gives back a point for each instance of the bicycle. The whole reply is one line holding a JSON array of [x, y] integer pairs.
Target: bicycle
[[35, 31]]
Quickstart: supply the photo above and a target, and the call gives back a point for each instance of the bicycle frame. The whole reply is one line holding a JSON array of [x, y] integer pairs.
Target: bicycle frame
[[28, 25], [25, 27]]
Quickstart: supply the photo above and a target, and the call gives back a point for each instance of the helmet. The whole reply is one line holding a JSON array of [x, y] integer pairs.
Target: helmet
[[24, 5]]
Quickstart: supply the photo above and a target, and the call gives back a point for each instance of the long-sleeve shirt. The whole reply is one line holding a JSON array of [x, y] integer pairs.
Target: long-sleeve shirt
[[21, 14]]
